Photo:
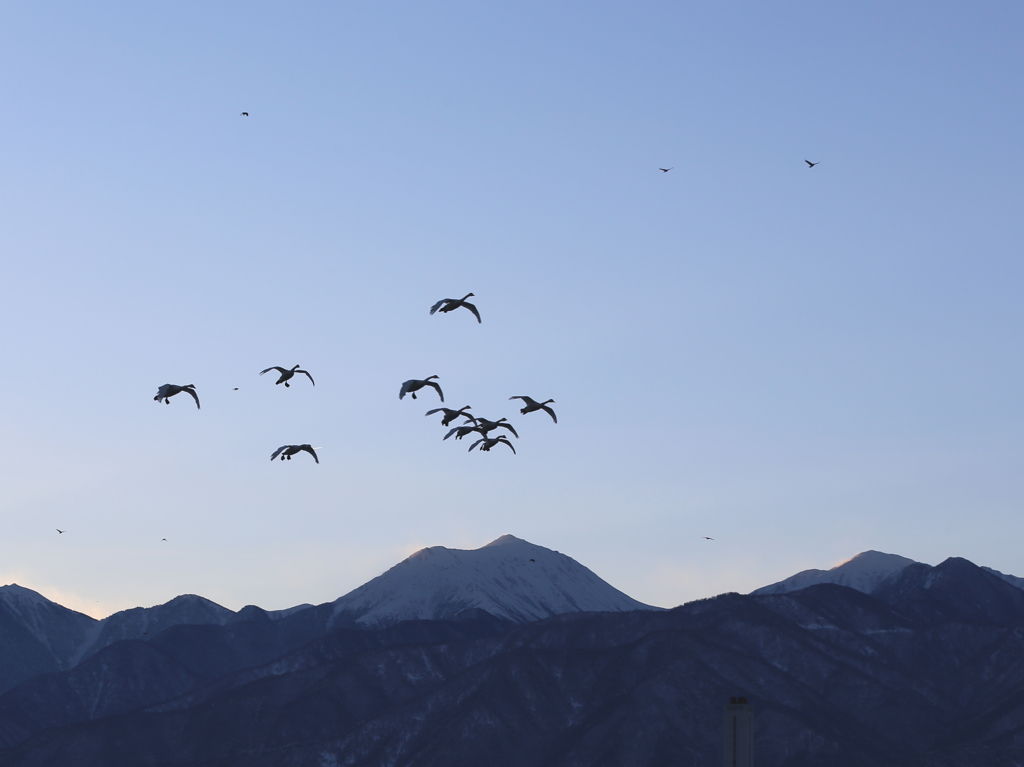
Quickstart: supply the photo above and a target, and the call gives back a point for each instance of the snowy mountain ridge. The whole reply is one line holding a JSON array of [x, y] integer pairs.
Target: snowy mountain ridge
[[509, 578], [865, 572]]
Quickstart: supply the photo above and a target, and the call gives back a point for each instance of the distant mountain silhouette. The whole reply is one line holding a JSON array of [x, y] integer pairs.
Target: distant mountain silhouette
[[923, 672]]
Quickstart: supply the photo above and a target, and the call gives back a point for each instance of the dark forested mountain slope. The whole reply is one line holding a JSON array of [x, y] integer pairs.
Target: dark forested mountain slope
[[909, 676]]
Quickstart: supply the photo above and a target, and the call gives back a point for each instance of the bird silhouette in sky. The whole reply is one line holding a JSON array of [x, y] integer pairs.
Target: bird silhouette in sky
[[666, 170], [462, 431], [60, 531], [244, 114], [533, 405], [450, 415], [486, 443], [287, 374], [446, 305], [413, 385], [812, 164], [287, 451], [165, 392], [484, 426], [706, 538]]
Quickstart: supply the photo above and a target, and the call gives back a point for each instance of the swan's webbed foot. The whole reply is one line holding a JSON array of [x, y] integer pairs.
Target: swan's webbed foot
[[287, 384]]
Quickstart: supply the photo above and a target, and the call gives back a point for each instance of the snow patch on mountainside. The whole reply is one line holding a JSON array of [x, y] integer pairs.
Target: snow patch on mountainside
[[509, 578], [863, 572], [39, 616]]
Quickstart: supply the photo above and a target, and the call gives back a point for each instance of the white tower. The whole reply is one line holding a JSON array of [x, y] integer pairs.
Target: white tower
[[739, 733]]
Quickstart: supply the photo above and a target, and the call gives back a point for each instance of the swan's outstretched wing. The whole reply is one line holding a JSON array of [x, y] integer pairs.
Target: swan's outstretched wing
[[279, 451], [472, 309], [524, 398], [504, 441], [547, 409], [310, 450], [306, 372], [440, 303], [405, 388], [510, 427], [275, 367], [482, 439], [195, 396], [438, 410], [436, 386]]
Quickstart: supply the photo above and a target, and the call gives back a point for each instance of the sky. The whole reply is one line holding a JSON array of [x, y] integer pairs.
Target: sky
[[801, 363]]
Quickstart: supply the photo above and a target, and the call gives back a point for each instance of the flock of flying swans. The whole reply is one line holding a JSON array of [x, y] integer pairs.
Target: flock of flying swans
[[472, 425]]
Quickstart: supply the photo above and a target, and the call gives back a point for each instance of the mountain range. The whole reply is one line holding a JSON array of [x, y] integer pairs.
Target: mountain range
[[513, 654]]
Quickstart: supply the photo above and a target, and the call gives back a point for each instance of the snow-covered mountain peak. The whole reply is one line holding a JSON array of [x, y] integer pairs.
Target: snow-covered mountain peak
[[509, 577], [12, 591], [506, 540], [863, 572]]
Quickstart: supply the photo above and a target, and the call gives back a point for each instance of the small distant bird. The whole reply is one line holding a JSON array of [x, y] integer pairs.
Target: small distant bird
[[533, 560], [533, 405], [706, 538], [236, 388], [446, 305], [812, 164], [165, 392], [287, 451], [413, 385], [287, 374], [450, 415], [484, 426], [60, 531], [666, 170], [163, 539], [244, 114], [486, 443], [462, 431]]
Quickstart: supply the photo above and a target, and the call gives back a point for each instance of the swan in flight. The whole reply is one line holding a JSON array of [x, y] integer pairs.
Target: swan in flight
[[450, 415], [287, 374], [489, 442], [165, 392], [413, 385], [484, 426], [451, 304], [812, 164], [461, 431], [666, 170], [287, 451], [533, 405]]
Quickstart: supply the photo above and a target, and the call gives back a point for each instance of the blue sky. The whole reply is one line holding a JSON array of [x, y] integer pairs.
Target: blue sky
[[801, 363]]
